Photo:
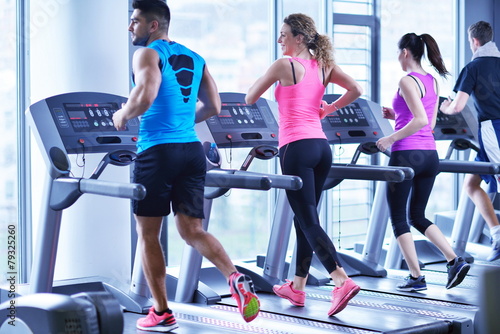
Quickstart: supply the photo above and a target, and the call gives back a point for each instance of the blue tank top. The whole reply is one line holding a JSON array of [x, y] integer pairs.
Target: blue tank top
[[171, 117]]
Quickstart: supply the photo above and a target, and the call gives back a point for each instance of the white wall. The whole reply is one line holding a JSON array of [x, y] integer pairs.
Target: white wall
[[82, 45]]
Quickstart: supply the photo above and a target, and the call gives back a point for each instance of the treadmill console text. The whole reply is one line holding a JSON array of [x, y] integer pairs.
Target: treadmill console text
[[361, 121], [349, 116], [243, 125], [88, 117], [237, 115], [82, 122]]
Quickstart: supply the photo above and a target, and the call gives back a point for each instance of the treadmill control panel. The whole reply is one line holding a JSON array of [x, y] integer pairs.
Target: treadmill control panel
[[87, 117], [84, 122], [349, 116], [360, 121], [461, 125], [244, 125]]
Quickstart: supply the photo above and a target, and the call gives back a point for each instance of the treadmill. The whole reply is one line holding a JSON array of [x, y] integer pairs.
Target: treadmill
[[463, 226], [73, 123], [459, 298], [370, 311]]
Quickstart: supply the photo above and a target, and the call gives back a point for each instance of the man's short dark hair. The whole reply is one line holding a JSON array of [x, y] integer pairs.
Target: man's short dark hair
[[481, 31], [154, 10]]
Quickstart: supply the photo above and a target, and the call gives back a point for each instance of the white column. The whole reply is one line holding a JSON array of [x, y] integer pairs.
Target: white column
[[80, 45]]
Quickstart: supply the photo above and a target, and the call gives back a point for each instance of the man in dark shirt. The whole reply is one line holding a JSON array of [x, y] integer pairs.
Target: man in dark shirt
[[481, 80]]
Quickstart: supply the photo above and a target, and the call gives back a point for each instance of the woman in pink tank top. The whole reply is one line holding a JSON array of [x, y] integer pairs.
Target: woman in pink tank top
[[303, 149], [414, 109]]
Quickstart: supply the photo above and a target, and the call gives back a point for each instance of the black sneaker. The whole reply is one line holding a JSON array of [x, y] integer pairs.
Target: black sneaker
[[457, 270], [412, 284]]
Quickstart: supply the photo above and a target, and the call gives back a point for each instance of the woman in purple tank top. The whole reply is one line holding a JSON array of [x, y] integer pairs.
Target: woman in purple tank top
[[414, 111]]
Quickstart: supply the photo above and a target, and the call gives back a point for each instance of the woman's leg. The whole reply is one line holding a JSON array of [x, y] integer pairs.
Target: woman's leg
[[310, 160]]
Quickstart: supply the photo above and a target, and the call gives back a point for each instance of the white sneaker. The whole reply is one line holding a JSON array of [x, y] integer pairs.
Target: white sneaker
[[495, 250]]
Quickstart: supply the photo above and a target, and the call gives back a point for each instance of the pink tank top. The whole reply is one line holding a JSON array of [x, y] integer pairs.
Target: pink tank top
[[422, 139], [299, 106]]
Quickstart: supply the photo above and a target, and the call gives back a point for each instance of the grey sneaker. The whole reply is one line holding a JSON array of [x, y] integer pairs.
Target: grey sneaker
[[495, 251], [412, 284], [457, 270]]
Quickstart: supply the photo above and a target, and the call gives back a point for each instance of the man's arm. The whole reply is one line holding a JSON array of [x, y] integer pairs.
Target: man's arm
[[147, 77], [209, 103], [455, 106]]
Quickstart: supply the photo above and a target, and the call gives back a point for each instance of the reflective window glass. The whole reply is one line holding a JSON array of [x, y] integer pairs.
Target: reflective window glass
[[8, 125], [357, 7], [235, 39]]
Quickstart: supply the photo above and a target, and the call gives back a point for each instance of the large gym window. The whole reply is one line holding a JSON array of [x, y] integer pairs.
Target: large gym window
[[235, 40], [354, 32], [355, 7], [8, 145]]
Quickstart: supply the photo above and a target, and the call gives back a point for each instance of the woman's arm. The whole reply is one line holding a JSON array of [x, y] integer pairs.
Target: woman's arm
[[262, 84], [411, 94], [353, 91], [436, 107]]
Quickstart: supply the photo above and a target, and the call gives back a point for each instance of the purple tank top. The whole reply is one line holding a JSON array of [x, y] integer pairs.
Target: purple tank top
[[422, 139]]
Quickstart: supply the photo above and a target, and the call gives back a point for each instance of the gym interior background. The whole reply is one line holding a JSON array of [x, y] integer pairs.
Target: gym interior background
[[50, 47]]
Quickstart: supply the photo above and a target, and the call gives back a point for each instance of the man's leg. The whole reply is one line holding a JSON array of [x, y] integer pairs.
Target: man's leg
[[153, 261], [472, 184], [241, 286], [192, 232]]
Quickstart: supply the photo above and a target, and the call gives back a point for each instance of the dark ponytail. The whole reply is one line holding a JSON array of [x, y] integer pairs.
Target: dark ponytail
[[415, 44]]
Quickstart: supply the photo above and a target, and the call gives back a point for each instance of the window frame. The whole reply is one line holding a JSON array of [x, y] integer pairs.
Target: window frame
[[25, 231]]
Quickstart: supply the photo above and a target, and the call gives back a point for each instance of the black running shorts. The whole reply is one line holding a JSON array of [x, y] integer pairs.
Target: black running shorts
[[173, 174]]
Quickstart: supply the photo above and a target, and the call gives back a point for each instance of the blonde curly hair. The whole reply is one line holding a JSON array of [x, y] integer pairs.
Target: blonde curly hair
[[319, 45]]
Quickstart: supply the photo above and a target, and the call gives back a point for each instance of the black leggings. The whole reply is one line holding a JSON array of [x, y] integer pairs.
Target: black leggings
[[310, 159], [425, 163]]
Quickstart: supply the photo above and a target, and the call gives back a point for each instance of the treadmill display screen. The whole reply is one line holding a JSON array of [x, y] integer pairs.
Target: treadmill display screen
[[87, 117], [349, 116], [240, 115]]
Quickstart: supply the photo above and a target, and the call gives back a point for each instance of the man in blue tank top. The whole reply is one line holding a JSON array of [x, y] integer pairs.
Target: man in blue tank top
[[172, 91], [481, 80]]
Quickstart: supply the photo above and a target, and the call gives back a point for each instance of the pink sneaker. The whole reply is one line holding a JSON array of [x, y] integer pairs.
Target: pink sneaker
[[157, 323], [242, 290], [341, 296], [296, 297]]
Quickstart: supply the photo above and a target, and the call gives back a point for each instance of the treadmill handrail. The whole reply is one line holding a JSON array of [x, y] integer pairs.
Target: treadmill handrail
[[65, 191], [225, 179], [369, 172], [134, 191], [288, 182], [471, 167], [340, 172]]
